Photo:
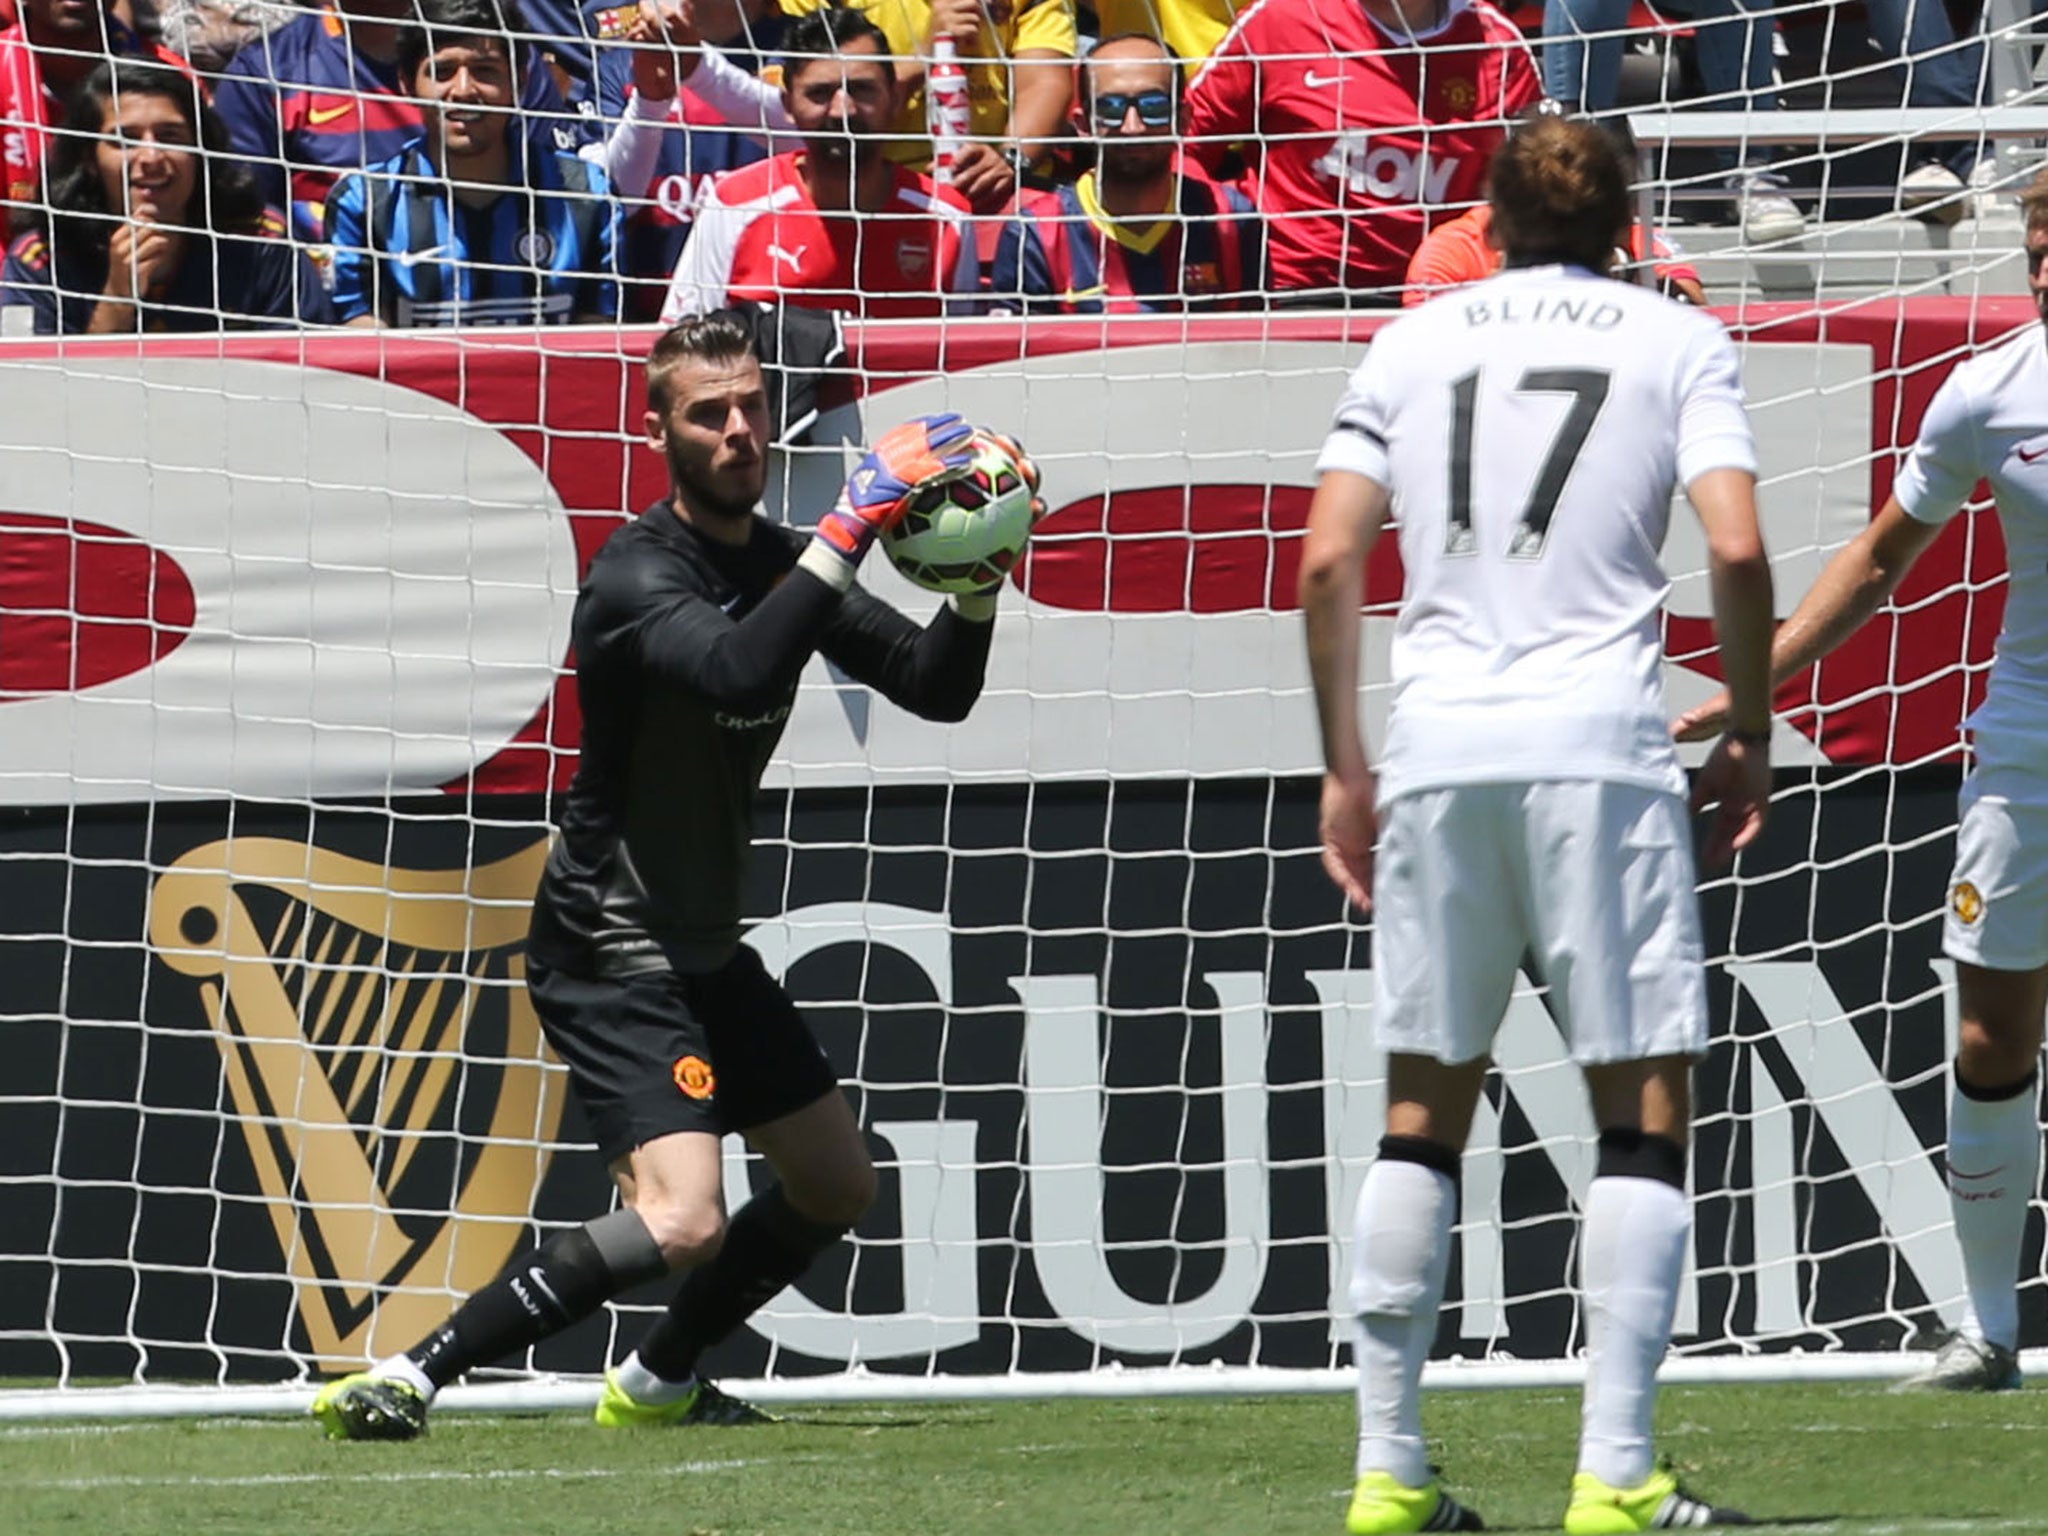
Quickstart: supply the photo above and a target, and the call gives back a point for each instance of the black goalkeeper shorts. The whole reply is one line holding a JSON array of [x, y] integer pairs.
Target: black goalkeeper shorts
[[651, 1055]]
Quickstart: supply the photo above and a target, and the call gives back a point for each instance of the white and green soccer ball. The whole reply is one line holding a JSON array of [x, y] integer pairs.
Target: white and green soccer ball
[[965, 534]]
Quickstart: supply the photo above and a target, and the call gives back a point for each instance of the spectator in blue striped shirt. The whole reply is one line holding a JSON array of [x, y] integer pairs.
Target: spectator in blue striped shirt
[[472, 223]]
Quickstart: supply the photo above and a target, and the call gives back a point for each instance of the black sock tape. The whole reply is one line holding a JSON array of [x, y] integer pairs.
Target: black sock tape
[[1420, 1149], [1629, 1153], [628, 1249], [1994, 1095]]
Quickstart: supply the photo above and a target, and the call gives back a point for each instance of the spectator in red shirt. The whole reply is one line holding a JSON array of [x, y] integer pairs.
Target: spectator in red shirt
[[1359, 118], [836, 224], [54, 46]]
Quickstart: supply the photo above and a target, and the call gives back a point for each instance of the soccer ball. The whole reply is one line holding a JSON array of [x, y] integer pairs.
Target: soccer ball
[[963, 535]]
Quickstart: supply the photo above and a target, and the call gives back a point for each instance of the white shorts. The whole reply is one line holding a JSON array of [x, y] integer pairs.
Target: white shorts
[[1997, 909], [1593, 880]]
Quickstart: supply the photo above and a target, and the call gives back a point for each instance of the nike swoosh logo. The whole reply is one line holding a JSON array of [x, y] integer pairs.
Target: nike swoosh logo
[[2028, 458], [1316, 82], [431, 253], [1957, 1173], [319, 119]]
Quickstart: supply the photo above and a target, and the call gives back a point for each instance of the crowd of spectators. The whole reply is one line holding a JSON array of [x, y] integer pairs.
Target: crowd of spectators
[[192, 164]]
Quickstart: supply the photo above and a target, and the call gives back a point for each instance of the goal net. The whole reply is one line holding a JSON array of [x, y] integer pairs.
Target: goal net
[[284, 633]]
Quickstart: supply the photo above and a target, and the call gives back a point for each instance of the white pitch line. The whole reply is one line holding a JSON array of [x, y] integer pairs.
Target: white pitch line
[[1922, 1527], [132, 1426], [501, 1475]]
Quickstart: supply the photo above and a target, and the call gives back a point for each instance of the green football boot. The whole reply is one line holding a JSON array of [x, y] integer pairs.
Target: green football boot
[[1656, 1504], [702, 1404], [366, 1407], [1382, 1505]]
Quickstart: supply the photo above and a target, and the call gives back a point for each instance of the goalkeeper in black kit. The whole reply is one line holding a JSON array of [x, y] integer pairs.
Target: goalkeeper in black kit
[[691, 629]]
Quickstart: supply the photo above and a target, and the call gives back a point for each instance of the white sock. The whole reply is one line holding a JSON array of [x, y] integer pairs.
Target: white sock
[[1402, 1249], [401, 1368], [1634, 1254], [643, 1386], [1994, 1159]]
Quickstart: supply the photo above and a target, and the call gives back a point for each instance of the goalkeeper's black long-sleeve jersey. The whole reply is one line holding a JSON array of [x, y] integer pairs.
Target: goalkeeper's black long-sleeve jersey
[[687, 658]]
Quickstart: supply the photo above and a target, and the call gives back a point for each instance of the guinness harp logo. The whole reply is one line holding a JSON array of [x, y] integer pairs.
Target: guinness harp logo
[[386, 1067]]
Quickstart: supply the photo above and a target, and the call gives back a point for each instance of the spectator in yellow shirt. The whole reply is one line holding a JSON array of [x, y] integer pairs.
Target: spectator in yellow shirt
[[1019, 58]]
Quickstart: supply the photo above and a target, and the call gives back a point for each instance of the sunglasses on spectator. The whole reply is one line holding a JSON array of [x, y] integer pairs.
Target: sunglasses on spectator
[[1155, 108]]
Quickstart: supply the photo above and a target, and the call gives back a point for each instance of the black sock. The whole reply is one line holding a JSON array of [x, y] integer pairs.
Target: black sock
[[767, 1245], [562, 1282]]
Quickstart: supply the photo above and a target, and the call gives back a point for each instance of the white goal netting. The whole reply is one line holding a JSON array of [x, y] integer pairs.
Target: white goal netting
[[285, 671]]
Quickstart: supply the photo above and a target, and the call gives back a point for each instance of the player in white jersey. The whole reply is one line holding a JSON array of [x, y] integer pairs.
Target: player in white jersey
[[1988, 421], [1525, 435]]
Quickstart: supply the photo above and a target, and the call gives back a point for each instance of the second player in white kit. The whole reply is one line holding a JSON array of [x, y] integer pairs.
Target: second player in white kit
[[1988, 421], [1524, 436]]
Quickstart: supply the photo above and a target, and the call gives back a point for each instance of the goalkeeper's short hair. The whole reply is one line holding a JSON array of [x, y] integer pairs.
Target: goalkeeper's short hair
[[718, 336]]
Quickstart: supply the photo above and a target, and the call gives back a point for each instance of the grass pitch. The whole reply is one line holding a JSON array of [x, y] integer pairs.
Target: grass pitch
[[1819, 1458]]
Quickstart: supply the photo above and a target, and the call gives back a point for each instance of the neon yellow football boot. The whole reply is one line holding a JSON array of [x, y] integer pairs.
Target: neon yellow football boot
[[366, 1407], [704, 1403], [1382, 1505], [1656, 1504]]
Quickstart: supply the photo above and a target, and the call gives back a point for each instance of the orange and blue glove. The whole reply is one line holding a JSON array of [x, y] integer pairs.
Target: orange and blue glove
[[878, 492], [1015, 450]]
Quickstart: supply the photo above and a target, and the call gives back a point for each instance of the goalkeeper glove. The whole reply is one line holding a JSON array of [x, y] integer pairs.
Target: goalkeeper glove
[[924, 450], [981, 605], [1015, 450]]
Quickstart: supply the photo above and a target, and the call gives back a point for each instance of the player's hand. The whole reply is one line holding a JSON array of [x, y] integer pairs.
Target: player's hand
[[957, 19], [1350, 826], [664, 41], [1029, 470], [983, 176], [1032, 478], [923, 450], [1703, 722], [138, 260], [1736, 779]]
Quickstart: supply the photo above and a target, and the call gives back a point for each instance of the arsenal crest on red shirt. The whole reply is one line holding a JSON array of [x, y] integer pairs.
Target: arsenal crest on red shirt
[[913, 257]]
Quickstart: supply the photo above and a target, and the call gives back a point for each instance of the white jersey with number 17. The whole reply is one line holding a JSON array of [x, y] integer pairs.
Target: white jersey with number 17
[[1530, 430]]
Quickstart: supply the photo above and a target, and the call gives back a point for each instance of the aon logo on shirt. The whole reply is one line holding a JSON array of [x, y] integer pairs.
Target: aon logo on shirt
[[1386, 172]]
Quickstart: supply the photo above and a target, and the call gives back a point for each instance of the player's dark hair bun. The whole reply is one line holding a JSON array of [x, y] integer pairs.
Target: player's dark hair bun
[[1559, 192]]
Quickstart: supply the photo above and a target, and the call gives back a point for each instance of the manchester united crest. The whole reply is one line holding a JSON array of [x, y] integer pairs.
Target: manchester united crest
[[693, 1076], [1967, 902], [1460, 95]]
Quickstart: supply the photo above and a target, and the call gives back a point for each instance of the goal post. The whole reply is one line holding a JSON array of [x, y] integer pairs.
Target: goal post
[[284, 625]]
